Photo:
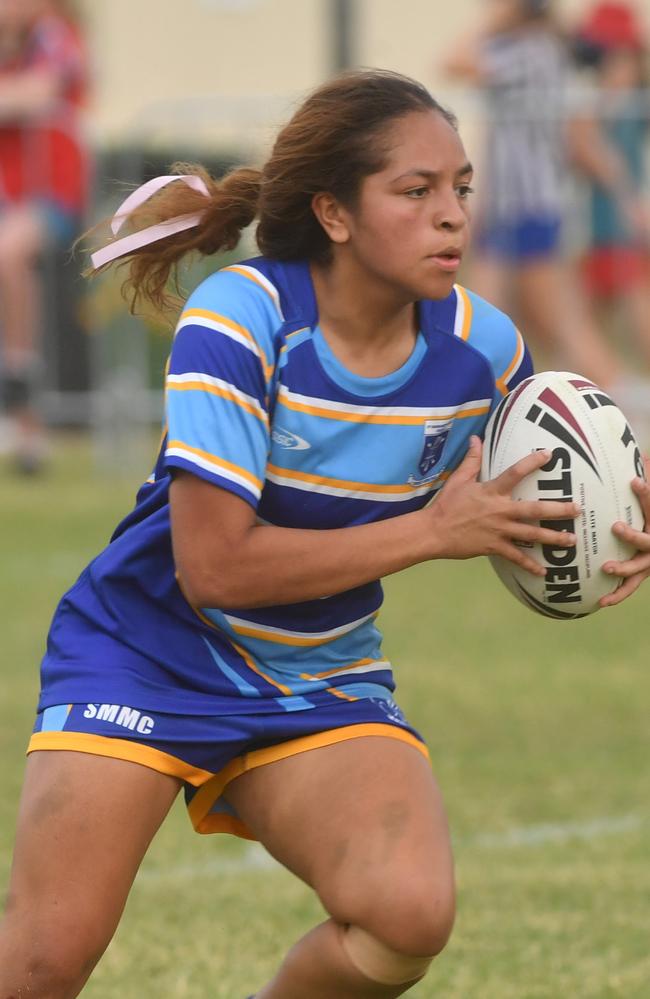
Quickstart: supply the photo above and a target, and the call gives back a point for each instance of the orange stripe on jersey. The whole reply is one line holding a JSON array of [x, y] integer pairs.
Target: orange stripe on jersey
[[387, 419], [287, 343], [250, 662], [232, 325], [502, 382], [339, 669], [218, 318], [339, 693], [251, 277], [367, 487], [214, 459], [468, 311], [198, 386], [271, 636]]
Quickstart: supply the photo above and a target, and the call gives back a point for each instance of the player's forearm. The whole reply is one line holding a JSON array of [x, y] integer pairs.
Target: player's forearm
[[275, 565]]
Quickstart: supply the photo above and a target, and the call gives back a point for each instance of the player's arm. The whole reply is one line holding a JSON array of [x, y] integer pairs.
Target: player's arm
[[224, 558]]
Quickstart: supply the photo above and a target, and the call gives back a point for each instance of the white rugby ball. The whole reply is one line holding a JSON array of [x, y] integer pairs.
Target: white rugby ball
[[595, 456]]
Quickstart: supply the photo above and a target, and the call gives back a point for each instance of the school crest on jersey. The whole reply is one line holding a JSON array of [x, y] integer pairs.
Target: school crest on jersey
[[435, 438]]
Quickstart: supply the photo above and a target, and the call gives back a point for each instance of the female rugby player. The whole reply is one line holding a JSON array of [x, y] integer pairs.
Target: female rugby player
[[319, 397]]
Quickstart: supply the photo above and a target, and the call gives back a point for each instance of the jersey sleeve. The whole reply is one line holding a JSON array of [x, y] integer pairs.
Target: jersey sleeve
[[217, 385], [495, 335]]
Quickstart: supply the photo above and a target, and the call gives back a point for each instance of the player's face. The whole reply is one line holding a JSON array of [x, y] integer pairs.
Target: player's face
[[411, 224]]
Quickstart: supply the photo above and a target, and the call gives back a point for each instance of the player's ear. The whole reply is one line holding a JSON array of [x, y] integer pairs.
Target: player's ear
[[332, 216]]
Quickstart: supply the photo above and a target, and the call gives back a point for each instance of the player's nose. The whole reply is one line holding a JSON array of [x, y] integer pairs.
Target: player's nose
[[451, 214]]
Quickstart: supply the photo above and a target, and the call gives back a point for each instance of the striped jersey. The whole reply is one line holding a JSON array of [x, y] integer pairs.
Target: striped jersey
[[525, 90], [258, 404]]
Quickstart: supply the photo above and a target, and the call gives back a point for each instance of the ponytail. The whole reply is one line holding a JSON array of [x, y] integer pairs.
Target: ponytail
[[336, 138], [189, 211]]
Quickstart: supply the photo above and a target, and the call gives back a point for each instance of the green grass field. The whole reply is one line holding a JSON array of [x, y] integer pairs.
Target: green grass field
[[539, 735]]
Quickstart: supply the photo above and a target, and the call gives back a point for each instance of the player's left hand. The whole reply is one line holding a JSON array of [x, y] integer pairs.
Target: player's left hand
[[636, 569]]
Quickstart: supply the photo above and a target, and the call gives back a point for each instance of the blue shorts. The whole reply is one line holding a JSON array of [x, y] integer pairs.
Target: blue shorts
[[523, 239], [206, 752]]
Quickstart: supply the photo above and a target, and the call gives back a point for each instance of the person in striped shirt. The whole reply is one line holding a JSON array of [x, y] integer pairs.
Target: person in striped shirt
[[319, 398], [519, 59]]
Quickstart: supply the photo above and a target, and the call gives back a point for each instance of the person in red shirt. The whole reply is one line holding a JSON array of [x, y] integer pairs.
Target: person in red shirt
[[43, 188]]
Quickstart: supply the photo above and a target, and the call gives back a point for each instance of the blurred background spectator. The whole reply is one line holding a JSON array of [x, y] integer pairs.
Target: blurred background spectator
[[101, 369], [519, 59], [43, 191], [609, 141]]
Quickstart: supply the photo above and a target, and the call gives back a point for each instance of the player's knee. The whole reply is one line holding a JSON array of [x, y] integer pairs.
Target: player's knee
[[418, 920], [51, 958], [412, 916]]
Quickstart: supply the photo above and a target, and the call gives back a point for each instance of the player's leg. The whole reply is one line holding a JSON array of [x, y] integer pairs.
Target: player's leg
[[84, 825], [23, 236], [363, 823]]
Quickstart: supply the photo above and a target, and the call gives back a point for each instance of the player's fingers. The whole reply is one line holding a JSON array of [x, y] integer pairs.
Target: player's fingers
[[544, 510], [518, 556], [639, 539], [533, 533], [470, 466], [625, 590], [630, 567], [512, 476], [642, 490]]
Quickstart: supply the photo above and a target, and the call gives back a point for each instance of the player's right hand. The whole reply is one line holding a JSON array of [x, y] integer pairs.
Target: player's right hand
[[472, 518]]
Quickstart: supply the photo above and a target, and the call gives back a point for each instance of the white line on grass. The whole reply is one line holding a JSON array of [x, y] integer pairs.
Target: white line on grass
[[555, 832], [255, 856]]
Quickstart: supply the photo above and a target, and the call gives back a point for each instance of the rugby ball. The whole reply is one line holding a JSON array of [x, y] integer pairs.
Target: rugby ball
[[594, 458]]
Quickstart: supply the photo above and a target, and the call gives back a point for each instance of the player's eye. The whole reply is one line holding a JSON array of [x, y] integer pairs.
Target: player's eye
[[417, 192], [464, 191]]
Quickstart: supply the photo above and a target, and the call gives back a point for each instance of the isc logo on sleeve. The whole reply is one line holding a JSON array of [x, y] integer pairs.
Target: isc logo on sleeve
[[122, 715]]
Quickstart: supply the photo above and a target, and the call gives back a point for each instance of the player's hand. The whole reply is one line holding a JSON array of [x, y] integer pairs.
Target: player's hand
[[634, 570], [481, 518]]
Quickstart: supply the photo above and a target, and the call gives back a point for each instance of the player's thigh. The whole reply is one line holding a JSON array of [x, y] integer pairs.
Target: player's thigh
[[363, 823], [84, 824]]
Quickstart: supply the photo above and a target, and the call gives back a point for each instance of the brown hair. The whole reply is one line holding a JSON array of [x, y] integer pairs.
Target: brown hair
[[330, 144]]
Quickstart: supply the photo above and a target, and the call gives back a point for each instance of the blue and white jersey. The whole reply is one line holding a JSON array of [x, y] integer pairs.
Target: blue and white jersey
[[257, 404], [525, 91]]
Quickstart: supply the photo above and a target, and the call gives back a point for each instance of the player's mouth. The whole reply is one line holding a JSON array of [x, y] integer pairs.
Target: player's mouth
[[448, 259]]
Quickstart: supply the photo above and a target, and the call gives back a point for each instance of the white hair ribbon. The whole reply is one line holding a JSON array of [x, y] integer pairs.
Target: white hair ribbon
[[127, 244]]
